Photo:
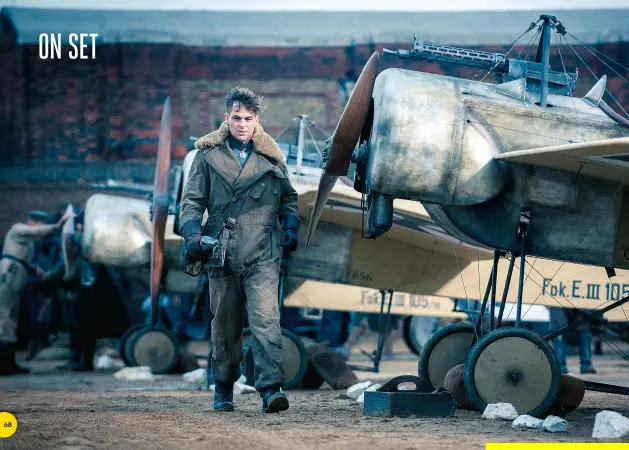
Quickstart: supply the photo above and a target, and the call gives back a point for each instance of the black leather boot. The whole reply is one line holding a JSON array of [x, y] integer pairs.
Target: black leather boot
[[274, 401], [8, 366], [223, 398]]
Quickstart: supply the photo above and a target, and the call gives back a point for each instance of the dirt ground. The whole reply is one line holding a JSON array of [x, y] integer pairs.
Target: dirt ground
[[95, 411]]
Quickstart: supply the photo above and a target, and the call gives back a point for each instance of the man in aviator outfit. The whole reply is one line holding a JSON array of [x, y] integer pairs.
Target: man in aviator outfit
[[241, 161]]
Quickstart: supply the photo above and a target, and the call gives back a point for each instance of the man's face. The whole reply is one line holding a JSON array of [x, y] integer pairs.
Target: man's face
[[33, 222], [241, 123]]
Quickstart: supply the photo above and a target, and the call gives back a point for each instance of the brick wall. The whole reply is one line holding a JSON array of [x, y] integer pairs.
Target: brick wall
[[19, 199], [110, 108]]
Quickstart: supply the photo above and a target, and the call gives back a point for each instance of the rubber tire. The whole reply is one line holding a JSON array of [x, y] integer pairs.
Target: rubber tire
[[123, 341], [408, 339], [493, 336], [406, 334], [133, 338], [422, 365]]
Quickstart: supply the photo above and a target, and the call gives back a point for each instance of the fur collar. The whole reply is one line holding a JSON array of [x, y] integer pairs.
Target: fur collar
[[262, 142]]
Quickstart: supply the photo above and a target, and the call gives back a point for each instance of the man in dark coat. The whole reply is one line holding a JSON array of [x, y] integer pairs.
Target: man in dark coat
[[241, 161]]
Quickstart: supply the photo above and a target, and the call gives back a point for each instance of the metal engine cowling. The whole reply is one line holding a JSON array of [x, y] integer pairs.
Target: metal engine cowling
[[425, 145], [117, 231]]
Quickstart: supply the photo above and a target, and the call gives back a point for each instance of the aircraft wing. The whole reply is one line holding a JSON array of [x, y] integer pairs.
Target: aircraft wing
[[596, 159]]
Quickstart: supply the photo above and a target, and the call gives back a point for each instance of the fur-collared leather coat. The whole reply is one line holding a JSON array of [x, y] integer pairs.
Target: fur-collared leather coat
[[216, 178]]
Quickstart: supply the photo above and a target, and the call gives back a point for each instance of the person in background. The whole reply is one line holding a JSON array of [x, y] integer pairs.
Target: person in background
[[77, 295], [15, 265], [560, 317]]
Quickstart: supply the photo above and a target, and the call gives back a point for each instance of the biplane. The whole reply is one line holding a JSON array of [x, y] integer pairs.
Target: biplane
[[520, 166]]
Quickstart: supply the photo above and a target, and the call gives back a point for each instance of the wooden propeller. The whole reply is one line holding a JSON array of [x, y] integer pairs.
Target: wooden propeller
[[160, 207], [344, 139]]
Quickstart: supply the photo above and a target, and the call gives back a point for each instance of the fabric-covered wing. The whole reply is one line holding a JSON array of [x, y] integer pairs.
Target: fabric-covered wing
[[411, 223], [596, 159]]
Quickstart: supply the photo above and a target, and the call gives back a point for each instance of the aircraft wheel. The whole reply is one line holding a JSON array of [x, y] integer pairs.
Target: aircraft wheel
[[417, 331], [154, 347], [294, 358], [124, 339], [516, 366], [446, 348]]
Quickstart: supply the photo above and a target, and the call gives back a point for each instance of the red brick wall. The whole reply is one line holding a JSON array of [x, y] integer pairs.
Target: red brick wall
[[110, 108]]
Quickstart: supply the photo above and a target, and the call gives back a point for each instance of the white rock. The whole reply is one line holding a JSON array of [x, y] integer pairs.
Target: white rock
[[356, 390], [198, 376], [142, 373], [555, 424], [526, 421], [106, 362], [108, 350], [52, 354], [242, 379], [610, 425], [239, 388], [373, 387], [500, 411]]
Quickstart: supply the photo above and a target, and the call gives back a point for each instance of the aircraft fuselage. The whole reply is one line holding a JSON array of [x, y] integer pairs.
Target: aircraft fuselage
[[434, 139]]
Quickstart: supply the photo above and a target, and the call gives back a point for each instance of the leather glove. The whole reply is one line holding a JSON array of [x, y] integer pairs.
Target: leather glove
[[191, 232], [290, 236]]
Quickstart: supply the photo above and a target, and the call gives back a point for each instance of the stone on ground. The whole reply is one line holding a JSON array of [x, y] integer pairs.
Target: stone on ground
[[500, 411], [196, 376], [141, 373], [526, 421], [610, 425], [356, 390], [555, 424], [52, 353], [106, 362]]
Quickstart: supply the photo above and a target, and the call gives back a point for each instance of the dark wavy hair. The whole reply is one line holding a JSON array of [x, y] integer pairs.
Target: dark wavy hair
[[240, 97]]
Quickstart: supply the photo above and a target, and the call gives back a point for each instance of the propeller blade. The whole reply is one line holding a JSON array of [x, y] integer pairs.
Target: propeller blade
[[160, 207], [350, 125], [344, 139], [326, 184]]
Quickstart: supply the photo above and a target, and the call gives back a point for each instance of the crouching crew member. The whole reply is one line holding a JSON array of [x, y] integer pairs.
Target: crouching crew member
[[15, 265], [239, 173]]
